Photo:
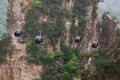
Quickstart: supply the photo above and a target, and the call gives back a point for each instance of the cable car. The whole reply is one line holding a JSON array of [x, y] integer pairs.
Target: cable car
[[94, 45], [38, 39], [77, 39], [17, 33]]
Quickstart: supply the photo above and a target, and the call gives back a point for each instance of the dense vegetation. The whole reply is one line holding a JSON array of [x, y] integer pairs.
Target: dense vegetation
[[107, 63], [60, 65], [52, 28], [55, 26], [65, 64], [4, 47]]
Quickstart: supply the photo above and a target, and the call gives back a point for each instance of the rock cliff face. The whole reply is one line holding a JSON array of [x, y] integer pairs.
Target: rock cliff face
[[91, 31], [17, 67], [91, 28], [109, 30]]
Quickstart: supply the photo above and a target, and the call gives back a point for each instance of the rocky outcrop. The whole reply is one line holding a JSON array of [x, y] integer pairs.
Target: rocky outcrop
[[91, 31], [17, 67], [109, 31], [68, 4]]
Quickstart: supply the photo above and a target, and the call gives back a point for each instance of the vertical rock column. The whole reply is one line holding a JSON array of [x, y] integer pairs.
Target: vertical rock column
[[109, 31], [91, 32], [19, 68]]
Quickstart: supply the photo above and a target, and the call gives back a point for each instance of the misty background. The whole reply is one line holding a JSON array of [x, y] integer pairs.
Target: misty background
[[3, 16], [111, 6]]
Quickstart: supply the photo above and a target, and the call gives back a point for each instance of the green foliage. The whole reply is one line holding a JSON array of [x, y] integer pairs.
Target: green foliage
[[102, 65], [72, 64], [107, 64], [65, 76], [79, 12], [2, 59], [37, 3], [84, 74], [48, 73], [4, 47], [29, 45], [52, 1], [4, 42], [40, 56], [68, 71], [37, 54], [52, 30], [32, 47], [118, 38], [69, 65], [31, 27], [52, 55], [94, 13], [118, 42], [58, 65], [95, 55], [58, 55], [89, 1]]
